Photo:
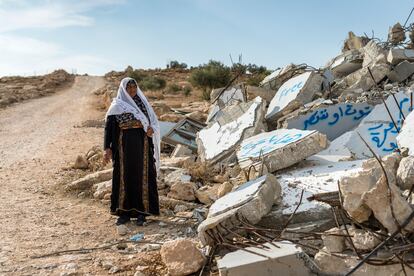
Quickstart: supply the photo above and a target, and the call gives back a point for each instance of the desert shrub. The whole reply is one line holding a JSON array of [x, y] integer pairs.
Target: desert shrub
[[173, 88], [176, 65], [152, 83], [187, 91], [211, 75]]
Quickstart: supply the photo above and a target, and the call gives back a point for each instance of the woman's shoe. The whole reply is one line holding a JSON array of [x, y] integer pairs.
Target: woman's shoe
[[122, 220], [140, 220]]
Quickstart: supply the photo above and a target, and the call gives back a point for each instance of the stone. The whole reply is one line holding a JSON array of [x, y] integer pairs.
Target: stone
[[278, 258], [339, 264], [292, 94], [396, 34], [396, 56], [102, 189], [180, 208], [218, 141], [224, 189], [401, 72], [183, 191], [378, 130], [89, 180], [363, 240], [280, 148], [207, 194], [376, 199], [171, 117], [405, 173], [405, 139], [354, 186], [171, 203], [181, 257], [122, 229], [180, 175], [333, 120], [81, 163], [181, 151], [333, 241], [252, 200]]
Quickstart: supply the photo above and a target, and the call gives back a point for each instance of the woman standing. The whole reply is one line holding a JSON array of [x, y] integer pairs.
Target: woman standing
[[132, 140]]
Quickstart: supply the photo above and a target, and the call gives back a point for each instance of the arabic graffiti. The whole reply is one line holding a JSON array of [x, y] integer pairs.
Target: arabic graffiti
[[293, 89], [267, 144], [333, 118], [383, 135]]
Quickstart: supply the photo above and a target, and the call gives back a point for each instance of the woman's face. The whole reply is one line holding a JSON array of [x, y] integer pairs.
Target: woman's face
[[131, 89]]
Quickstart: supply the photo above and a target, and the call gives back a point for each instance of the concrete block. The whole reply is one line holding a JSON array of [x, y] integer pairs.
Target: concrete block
[[405, 138], [396, 56], [280, 148], [294, 93], [251, 201], [346, 63], [401, 72], [283, 259]]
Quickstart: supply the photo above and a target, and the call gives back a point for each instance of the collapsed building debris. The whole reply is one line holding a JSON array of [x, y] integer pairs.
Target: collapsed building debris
[[217, 141], [292, 94], [184, 132]]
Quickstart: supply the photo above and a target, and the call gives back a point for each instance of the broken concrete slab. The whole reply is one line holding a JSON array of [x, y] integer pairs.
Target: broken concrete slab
[[220, 99], [405, 139], [377, 128], [346, 63], [377, 200], [332, 120], [294, 93], [354, 185], [334, 240], [218, 141], [315, 177], [361, 79], [401, 72], [251, 201], [281, 258], [280, 148], [264, 93], [281, 75], [396, 56], [373, 52]]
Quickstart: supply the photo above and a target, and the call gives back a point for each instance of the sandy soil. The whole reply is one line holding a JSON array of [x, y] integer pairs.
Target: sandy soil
[[38, 140]]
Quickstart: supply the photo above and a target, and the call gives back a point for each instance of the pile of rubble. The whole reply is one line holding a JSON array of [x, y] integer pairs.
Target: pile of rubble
[[17, 89], [313, 169]]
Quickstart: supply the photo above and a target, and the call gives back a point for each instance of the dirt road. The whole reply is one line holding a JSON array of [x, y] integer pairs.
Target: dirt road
[[38, 139]]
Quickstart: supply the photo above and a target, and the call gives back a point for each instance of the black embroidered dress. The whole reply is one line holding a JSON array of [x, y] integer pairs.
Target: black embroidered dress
[[134, 182]]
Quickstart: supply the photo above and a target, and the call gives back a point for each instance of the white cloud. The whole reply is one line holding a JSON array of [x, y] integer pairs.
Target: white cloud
[[25, 55]]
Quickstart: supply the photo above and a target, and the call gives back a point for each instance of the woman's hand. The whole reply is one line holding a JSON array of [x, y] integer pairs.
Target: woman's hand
[[150, 131], [107, 156]]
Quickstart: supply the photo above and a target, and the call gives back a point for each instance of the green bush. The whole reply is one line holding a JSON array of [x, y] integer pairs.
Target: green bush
[[152, 83], [211, 75], [176, 65], [187, 91], [173, 88]]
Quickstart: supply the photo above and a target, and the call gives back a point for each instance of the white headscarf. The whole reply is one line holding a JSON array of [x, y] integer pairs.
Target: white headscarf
[[123, 103]]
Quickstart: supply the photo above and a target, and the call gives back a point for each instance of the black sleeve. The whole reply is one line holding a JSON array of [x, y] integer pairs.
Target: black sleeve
[[110, 126]]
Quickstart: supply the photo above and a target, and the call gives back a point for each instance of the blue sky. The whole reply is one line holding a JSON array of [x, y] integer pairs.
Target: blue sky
[[96, 36]]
